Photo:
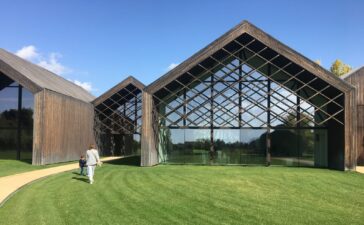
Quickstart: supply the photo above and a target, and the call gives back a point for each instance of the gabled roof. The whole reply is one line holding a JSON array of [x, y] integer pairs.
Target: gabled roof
[[36, 78], [258, 34], [129, 80], [359, 70]]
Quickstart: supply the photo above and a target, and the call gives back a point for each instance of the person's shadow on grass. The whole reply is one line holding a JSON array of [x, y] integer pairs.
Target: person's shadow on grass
[[81, 179]]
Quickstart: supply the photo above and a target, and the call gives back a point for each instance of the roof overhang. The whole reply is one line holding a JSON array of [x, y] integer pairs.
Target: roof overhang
[[129, 80], [15, 75]]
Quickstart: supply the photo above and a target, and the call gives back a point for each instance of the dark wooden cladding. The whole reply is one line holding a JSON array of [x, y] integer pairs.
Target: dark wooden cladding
[[149, 154], [63, 128], [350, 131], [356, 78], [38, 128]]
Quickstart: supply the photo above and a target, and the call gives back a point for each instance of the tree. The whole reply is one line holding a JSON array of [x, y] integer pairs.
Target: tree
[[318, 62], [339, 68]]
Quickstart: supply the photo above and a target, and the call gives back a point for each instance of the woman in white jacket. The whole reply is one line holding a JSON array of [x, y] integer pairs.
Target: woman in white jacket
[[92, 159]]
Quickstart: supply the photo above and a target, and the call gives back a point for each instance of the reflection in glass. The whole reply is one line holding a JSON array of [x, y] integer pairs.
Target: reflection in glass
[[306, 143], [253, 146], [227, 146], [197, 146], [16, 129], [284, 147], [174, 144], [300, 147], [136, 144], [8, 143], [8, 99], [27, 124]]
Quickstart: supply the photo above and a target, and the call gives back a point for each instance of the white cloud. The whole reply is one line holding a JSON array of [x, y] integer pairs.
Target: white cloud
[[28, 52], [52, 64], [85, 85], [172, 66]]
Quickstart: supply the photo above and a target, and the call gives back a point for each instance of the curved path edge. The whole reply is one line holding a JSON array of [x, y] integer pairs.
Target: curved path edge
[[12, 183], [360, 169]]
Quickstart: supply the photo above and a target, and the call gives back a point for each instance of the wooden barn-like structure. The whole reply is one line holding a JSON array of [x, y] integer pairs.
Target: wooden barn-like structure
[[249, 99], [43, 117], [245, 99]]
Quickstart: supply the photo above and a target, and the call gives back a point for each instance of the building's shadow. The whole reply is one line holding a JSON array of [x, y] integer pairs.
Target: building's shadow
[[128, 161]]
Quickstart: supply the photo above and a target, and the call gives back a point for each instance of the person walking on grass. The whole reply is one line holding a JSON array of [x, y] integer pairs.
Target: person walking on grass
[[82, 164], [92, 159]]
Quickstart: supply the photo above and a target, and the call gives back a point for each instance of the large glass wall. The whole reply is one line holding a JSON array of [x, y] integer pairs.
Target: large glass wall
[[299, 147], [247, 104], [16, 120], [118, 122]]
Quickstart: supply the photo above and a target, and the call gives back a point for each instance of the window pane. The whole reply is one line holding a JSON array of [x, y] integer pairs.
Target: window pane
[[253, 146], [284, 147], [136, 145], [197, 146], [173, 145], [8, 107], [320, 148], [27, 125], [27, 99], [8, 143], [227, 146], [306, 143]]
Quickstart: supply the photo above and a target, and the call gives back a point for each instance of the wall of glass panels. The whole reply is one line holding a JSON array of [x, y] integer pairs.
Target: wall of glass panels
[[247, 104], [118, 123], [299, 147], [16, 120]]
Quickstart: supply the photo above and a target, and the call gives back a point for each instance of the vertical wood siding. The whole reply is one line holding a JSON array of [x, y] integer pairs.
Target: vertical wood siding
[[149, 155], [357, 79], [63, 128]]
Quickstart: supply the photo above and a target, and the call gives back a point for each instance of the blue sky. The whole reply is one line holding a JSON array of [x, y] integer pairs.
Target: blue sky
[[99, 43]]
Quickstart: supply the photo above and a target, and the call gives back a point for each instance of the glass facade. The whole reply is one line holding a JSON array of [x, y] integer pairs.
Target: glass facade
[[16, 120], [118, 123], [247, 104], [300, 147]]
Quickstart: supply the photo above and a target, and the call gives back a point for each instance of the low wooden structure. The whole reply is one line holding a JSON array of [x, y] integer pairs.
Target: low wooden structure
[[356, 78], [63, 115]]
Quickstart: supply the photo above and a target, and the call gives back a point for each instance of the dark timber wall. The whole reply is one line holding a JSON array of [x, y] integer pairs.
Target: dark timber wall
[[356, 78], [63, 127]]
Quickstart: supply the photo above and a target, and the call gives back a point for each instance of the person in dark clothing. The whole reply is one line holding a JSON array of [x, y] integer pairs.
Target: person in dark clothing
[[82, 164]]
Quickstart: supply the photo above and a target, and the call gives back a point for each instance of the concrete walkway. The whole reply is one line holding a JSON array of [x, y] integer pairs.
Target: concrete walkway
[[12, 183]]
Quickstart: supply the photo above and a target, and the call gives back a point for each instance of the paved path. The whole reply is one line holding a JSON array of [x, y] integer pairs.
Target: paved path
[[12, 183], [360, 169]]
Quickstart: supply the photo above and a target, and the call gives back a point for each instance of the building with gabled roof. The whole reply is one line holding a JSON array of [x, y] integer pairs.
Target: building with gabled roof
[[247, 98], [43, 117]]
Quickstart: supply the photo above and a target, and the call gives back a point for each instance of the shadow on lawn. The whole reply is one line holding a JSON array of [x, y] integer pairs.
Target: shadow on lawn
[[81, 179], [128, 161]]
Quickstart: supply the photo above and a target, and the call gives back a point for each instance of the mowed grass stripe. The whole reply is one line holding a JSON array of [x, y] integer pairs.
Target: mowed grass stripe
[[124, 193]]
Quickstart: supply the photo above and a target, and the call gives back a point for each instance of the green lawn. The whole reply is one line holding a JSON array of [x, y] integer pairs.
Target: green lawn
[[10, 166], [188, 194]]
